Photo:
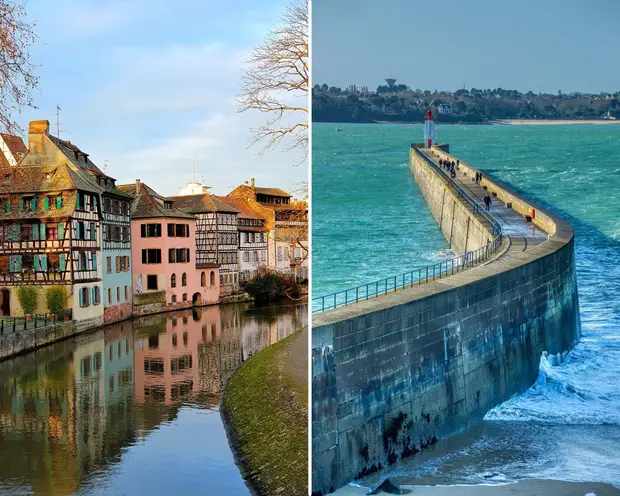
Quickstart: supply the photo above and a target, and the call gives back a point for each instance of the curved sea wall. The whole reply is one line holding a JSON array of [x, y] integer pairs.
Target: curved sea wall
[[394, 374]]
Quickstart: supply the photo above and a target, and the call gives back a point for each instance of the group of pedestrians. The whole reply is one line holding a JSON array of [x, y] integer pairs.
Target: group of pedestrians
[[450, 166]]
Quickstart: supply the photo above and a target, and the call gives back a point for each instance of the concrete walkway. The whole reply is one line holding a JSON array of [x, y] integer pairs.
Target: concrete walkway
[[520, 234]]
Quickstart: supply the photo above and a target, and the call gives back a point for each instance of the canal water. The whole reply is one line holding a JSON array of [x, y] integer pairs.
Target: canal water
[[134, 408], [567, 426]]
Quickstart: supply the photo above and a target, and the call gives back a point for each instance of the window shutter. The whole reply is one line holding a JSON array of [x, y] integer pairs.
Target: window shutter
[[94, 296], [18, 263], [94, 202], [62, 262], [33, 204], [81, 298], [93, 257], [46, 203], [21, 204], [35, 232], [37, 263], [8, 205], [92, 230], [43, 262], [43, 228], [59, 202], [61, 230], [118, 264]]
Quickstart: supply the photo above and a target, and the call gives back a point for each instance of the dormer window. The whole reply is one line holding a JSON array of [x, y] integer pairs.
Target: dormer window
[[168, 205], [7, 178]]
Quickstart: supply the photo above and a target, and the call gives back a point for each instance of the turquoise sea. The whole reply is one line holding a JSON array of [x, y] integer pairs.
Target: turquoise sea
[[370, 221]]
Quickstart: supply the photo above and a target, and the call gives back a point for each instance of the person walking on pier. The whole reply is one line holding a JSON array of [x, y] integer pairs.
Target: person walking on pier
[[487, 202]]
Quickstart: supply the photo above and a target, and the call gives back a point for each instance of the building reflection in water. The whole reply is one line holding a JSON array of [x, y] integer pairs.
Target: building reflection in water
[[68, 410]]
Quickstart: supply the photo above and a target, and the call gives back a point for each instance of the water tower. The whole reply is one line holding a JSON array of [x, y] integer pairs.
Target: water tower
[[390, 82]]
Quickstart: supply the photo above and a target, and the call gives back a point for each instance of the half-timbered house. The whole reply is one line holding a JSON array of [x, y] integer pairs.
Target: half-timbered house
[[217, 235], [287, 223], [50, 230], [167, 274], [252, 239], [113, 208]]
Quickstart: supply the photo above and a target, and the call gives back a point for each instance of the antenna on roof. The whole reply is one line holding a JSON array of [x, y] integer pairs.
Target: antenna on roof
[[58, 109]]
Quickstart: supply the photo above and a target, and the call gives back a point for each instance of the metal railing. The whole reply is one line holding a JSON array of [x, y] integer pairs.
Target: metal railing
[[417, 277], [38, 321]]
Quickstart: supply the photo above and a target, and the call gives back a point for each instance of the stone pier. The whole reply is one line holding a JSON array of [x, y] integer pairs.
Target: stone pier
[[394, 374]]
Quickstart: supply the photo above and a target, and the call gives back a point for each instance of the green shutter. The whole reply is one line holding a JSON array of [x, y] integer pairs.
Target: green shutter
[[21, 204], [43, 235], [33, 204], [93, 257], [46, 203], [59, 202], [94, 300], [18, 263], [61, 230], [92, 230], [35, 232], [81, 297], [37, 263], [94, 202], [43, 262], [8, 205], [62, 262]]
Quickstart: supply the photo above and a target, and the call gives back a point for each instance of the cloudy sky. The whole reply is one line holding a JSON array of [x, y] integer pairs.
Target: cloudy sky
[[148, 85]]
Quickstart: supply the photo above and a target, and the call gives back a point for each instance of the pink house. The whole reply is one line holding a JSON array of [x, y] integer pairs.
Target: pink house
[[165, 274]]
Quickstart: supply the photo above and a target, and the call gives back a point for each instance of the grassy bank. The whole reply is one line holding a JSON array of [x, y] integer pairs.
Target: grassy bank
[[265, 406]]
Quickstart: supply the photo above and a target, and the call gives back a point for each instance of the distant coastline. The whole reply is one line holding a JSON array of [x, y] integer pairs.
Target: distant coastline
[[398, 103]]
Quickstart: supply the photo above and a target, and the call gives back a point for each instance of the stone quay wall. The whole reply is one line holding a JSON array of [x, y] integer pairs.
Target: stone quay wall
[[392, 375]]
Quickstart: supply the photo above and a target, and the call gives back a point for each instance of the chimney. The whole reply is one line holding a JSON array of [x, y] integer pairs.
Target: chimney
[[137, 185], [252, 182], [37, 133], [39, 127]]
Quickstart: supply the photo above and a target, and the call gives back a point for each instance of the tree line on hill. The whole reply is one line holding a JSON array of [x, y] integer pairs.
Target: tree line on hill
[[400, 103]]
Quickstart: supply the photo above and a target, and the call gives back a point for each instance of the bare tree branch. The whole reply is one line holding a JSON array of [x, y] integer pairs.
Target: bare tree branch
[[17, 74], [277, 71]]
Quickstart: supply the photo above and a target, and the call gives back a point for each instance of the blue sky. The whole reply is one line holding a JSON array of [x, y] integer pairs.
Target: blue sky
[[148, 85], [543, 46]]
